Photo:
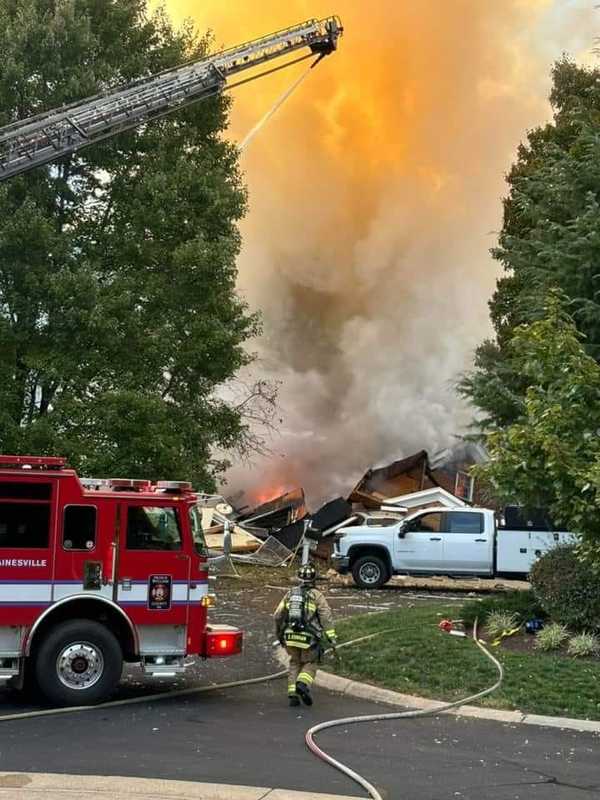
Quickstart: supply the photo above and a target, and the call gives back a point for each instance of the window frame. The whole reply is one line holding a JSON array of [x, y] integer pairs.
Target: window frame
[[417, 520], [195, 522], [470, 514], [178, 521], [35, 503], [62, 531]]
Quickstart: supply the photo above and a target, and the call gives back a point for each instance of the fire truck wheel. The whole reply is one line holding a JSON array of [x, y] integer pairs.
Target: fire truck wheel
[[79, 662], [370, 572]]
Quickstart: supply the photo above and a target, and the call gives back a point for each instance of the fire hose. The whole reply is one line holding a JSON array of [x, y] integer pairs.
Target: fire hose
[[311, 733], [355, 776]]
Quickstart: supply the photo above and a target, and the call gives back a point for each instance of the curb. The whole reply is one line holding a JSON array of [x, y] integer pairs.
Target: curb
[[49, 786], [366, 691]]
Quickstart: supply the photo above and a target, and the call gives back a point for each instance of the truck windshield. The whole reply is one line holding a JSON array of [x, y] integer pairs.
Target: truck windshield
[[197, 532]]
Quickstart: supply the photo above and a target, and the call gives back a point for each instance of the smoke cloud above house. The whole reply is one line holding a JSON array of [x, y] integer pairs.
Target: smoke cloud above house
[[375, 195]]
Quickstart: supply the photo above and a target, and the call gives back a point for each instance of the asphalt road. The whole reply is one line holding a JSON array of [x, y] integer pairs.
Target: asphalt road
[[250, 736], [251, 609]]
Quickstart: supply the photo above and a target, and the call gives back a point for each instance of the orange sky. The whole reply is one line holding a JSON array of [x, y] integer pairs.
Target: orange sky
[[374, 194]]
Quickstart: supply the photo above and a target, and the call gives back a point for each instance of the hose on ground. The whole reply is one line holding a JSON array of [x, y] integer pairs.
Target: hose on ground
[[312, 732], [335, 723], [151, 698]]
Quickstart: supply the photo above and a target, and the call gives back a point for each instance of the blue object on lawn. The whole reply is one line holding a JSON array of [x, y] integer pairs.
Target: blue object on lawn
[[534, 625]]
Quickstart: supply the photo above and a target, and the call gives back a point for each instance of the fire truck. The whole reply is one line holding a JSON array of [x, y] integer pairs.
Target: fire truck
[[94, 573]]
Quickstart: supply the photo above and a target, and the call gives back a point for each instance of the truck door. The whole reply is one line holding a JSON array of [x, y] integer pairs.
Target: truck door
[[419, 545], [153, 569], [80, 545], [27, 531], [467, 547]]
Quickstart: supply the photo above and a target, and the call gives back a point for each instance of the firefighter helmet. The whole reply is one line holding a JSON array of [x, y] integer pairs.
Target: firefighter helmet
[[307, 573]]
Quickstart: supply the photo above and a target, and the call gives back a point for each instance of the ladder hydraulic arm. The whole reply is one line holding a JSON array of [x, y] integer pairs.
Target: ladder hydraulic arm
[[29, 143]]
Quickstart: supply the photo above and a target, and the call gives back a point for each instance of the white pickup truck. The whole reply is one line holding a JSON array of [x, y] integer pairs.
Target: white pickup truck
[[437, 541]]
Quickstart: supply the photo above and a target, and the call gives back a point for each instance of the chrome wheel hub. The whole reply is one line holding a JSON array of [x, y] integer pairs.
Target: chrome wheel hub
[[370, 573], [79, 665]]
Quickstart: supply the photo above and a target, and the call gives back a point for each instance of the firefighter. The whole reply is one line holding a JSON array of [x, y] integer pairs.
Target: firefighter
[[304, 625]]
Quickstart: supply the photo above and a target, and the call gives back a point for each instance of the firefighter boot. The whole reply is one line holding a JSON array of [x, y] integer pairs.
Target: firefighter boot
[[294, 700], [304, 692]]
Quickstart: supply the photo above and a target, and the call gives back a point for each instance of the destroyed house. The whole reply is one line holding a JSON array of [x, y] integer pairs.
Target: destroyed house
[[449, 469], [408, 475], [279, 512]]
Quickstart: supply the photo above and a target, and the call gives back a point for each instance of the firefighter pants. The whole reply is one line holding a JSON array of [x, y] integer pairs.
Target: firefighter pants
[[302, 668]]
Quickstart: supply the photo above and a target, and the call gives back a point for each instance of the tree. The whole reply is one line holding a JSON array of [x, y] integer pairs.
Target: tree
[[119, 320], [550, 456], [550, 238]]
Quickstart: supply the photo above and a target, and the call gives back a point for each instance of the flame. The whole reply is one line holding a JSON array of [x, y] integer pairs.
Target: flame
[[373, 192], [271, 493]]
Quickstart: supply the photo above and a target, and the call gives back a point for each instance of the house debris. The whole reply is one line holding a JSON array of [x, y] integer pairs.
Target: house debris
[[410, 474], [274, 531], [448, 470], [451, 469], [278, 512], [427, 497], [242, 541]]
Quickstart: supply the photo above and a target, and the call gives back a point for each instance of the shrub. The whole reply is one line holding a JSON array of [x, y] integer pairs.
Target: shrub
[[522, 603], [584, 644], [568, 589], [551, 637], [500, 621]]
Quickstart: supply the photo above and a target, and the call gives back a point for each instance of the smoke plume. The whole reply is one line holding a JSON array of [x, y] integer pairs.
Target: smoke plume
[[374, 195]]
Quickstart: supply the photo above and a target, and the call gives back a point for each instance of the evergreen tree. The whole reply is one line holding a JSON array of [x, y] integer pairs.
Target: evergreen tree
[[550, 456], [119, 319], [550, 238]]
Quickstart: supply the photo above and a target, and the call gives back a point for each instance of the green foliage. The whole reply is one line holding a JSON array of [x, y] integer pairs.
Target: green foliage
[[419, 659], [119, 319], [499, 622], [551, 637], [583, 645], [550, 238], [550, 456], [568, 589], [523, 605]]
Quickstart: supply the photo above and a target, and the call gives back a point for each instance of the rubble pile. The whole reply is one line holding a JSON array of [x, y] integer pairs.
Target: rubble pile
[[272, 532]]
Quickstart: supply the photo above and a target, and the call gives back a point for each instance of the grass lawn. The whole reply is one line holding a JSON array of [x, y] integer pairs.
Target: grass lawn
[[419, 659]]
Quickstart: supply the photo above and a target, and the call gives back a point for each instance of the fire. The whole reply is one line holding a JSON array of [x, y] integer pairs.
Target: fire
[[266, 495], [373, 192]]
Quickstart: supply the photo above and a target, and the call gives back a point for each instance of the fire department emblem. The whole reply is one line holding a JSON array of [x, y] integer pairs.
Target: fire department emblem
[[159, 592]]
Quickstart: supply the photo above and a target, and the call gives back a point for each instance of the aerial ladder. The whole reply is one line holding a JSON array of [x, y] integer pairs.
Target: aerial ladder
[[29, 143]]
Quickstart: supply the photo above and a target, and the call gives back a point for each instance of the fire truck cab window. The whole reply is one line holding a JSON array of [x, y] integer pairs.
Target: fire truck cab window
[[79, 528], [197, 531], [152, 528], [24, 525]]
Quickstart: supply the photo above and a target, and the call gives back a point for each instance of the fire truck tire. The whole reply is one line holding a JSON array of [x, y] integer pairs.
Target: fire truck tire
[[370, 572], [78, 663]]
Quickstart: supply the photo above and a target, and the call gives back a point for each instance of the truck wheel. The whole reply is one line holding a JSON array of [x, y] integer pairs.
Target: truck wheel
[[78, 663], [370, 572]]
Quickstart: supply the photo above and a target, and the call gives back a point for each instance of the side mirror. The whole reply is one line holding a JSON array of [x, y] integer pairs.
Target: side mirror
[[402, 529]]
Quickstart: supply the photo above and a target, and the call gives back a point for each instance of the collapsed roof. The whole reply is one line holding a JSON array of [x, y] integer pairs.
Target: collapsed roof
[[449, 469], [411, 474], [278, 512]]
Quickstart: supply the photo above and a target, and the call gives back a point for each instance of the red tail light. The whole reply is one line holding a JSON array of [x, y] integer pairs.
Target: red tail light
[[223, 641]]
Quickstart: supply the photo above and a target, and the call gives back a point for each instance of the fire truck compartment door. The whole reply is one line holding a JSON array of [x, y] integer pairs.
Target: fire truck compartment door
[[153, 571]]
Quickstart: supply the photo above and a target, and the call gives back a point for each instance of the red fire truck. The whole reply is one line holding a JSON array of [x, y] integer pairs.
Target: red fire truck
[[97, 572]]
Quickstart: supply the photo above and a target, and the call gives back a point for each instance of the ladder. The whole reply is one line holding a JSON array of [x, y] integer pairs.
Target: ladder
[[46, 137]]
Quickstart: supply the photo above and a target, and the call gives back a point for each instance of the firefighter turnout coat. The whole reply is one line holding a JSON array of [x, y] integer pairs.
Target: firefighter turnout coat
[[318, 622]]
